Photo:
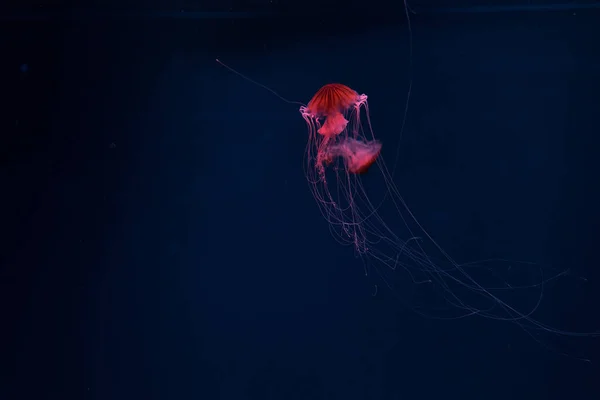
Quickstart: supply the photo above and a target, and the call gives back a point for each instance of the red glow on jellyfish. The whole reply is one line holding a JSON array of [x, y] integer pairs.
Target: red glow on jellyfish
[[333, 136], [338, 143]]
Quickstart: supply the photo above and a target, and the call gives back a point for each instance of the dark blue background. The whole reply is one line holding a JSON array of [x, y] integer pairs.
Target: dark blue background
[[160, 240]]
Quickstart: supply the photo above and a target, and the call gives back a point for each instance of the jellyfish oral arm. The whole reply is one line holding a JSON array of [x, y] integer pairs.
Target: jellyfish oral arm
[[357, 154]]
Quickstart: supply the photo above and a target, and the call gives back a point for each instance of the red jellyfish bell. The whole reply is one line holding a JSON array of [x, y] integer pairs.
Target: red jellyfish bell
[[330, 102]]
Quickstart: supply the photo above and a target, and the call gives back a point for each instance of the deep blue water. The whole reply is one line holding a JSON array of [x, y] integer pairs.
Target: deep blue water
[[161, 241]]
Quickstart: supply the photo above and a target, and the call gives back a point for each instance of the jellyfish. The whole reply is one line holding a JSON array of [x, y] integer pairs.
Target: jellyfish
[[387, 236], [329, 135], [341, 148]]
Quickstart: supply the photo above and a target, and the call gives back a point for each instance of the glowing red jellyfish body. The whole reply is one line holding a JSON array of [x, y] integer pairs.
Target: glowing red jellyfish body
[[331, 101], [337, 136], [338, 143]]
